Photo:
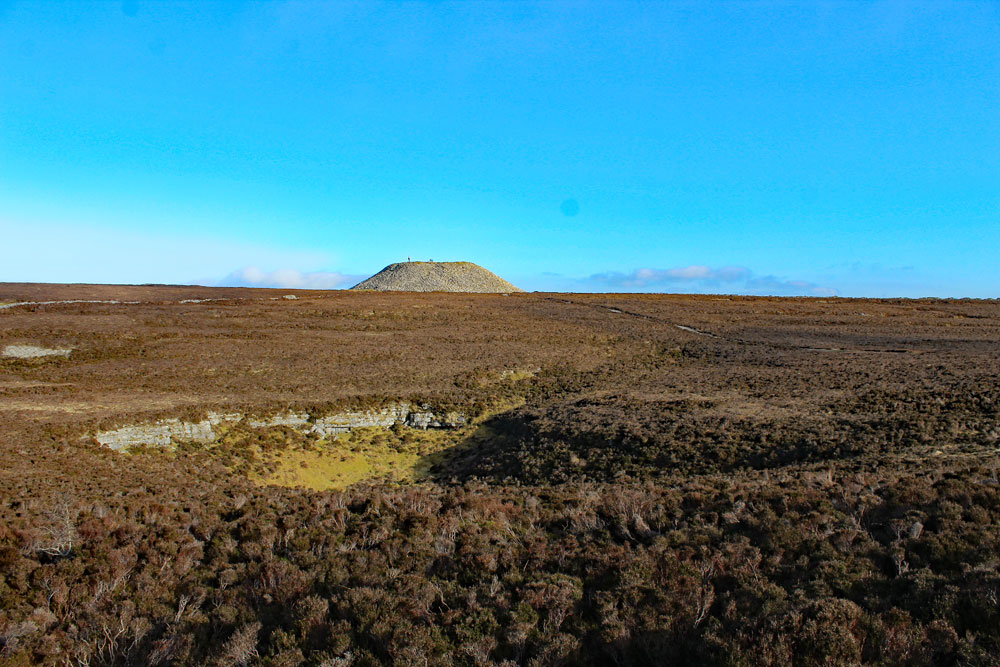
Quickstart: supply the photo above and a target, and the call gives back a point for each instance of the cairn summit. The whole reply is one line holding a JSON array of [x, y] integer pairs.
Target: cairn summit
[[436, 277]]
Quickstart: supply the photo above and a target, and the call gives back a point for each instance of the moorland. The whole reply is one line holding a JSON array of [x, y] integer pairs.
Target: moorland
[[638, 479]]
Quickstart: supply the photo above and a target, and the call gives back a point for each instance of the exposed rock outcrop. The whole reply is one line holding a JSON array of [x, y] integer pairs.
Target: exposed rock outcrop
[[167, 431], [345, 421], [34, 352], [159, 434]]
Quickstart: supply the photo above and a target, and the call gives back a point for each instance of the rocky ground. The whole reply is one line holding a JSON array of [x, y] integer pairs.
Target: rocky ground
[[436, 277]]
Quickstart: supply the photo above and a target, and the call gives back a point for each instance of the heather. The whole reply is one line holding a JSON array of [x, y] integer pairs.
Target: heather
[[643, 480]]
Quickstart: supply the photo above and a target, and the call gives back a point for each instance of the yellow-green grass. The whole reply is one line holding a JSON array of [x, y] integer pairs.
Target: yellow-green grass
[[316, 470], [399, 453], [354, 457]]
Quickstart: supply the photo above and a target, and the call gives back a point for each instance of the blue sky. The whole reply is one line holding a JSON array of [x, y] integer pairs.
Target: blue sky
[[762, 148]]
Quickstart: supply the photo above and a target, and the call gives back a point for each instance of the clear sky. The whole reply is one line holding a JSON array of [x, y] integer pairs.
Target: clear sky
[[765, 148]]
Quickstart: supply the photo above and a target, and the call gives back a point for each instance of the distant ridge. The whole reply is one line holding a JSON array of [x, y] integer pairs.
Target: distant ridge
[[436, 277]]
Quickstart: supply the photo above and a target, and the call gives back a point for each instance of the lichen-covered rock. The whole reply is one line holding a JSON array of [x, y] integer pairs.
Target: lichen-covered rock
[[345, 421], [165, 432], [34, 352], [421, 420], [292, 419], [160, 434]]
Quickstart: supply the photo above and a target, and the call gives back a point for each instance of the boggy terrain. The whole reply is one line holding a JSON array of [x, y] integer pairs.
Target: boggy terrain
[[638, 480]]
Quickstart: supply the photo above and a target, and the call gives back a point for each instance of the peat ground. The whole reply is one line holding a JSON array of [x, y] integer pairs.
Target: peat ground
[[690, 479]]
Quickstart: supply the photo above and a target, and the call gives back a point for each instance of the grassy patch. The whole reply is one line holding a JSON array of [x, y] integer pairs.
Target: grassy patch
[[317, 470], [399, 453], [352, 457]]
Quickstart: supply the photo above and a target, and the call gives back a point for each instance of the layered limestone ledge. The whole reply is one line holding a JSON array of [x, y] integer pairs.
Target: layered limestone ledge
[[34, 352], [167, 431], [345, 421], [159, 434]]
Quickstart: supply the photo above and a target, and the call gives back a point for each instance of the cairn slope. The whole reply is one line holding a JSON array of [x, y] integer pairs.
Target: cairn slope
[[436, 277]]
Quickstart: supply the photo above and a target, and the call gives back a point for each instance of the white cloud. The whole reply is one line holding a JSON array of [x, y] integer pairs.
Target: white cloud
[[251, 276], [686, 273], [735, 279]]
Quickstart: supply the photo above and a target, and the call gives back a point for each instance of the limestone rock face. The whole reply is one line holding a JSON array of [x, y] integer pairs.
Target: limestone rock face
[[420, 420], [165, 432], [293, 420], [345, 421], [33, 352], [428, 419], [437, 277], [159, 434]]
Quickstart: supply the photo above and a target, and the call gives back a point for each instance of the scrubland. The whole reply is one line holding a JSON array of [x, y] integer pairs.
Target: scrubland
[[644, 480]]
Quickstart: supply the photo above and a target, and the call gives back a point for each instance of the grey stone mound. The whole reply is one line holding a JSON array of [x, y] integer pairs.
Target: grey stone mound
[[436, 277]]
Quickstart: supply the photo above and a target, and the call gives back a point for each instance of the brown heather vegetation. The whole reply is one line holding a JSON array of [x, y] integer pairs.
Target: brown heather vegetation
[[781, 481]]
